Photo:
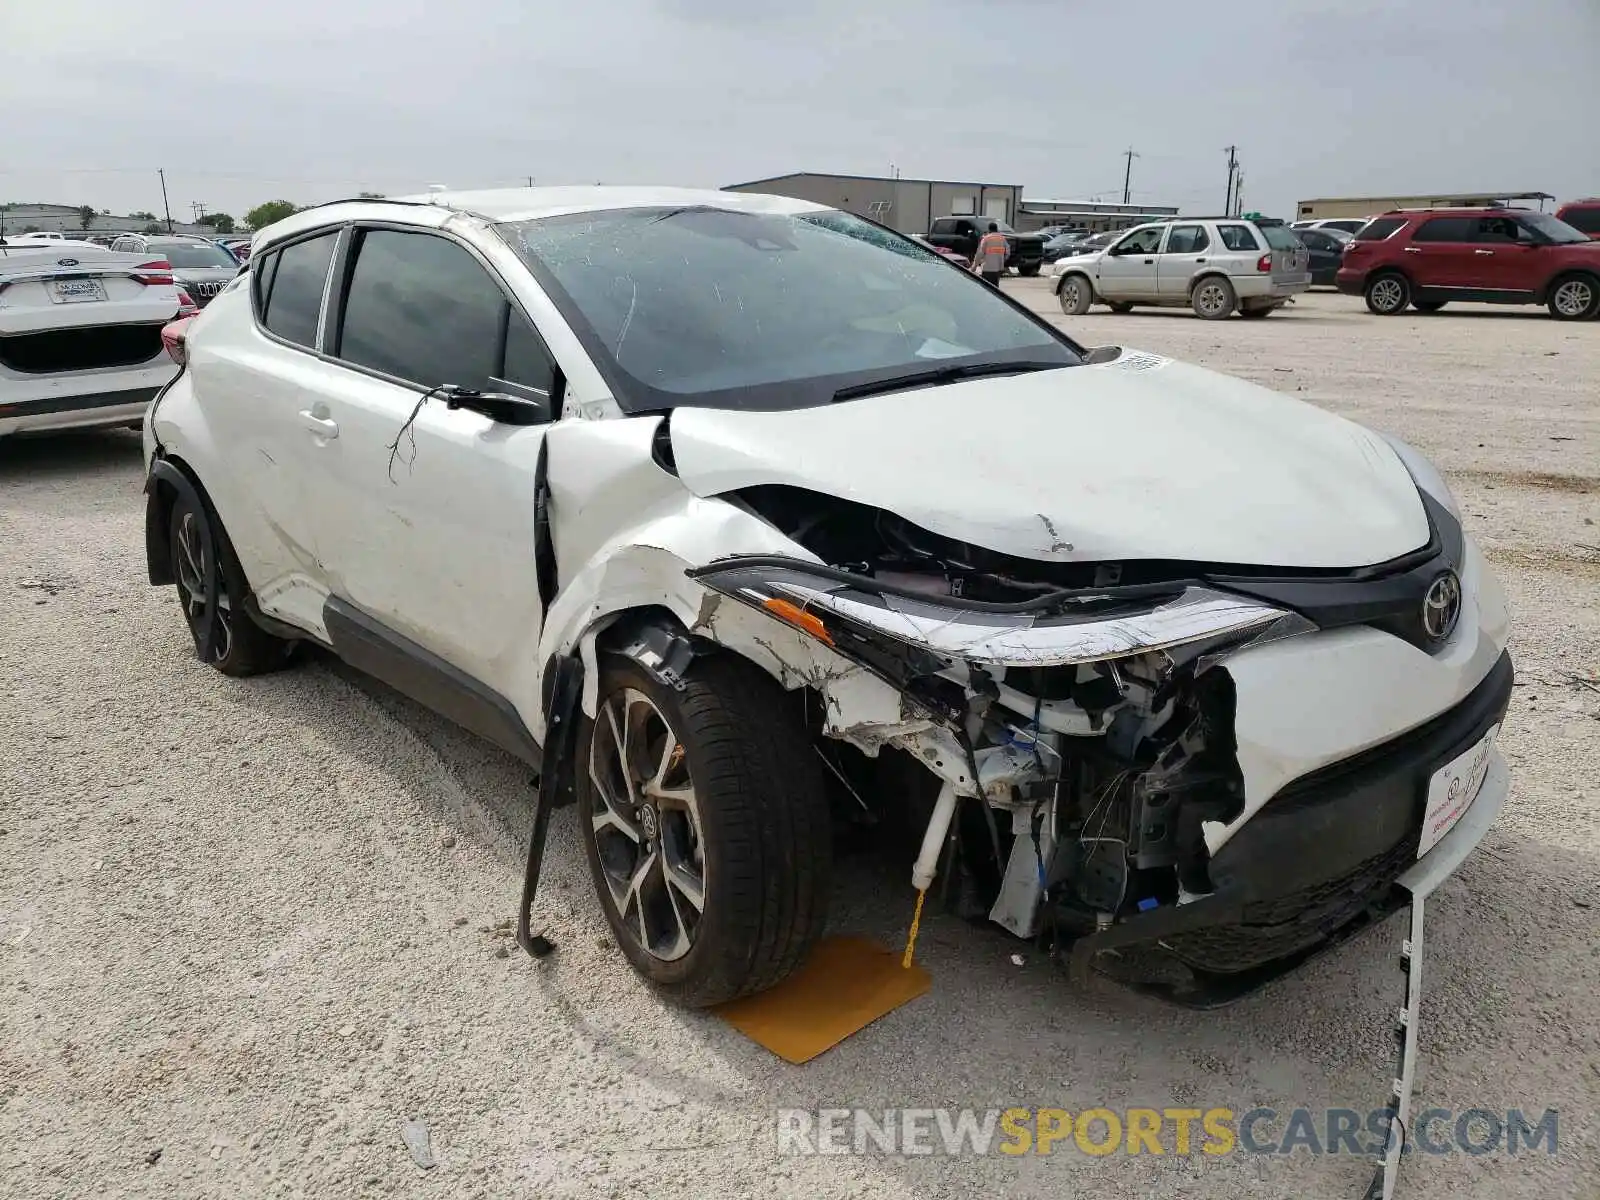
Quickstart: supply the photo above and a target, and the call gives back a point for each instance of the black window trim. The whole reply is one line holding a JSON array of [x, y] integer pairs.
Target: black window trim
[[335, 290]]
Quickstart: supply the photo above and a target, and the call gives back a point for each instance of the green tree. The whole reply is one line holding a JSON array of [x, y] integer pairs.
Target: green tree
[[219, 221], [153, 227], [369, 195], [86, 216], [141, 215], [263, 215]]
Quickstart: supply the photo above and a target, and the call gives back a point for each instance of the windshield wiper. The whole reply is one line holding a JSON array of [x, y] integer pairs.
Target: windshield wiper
[[939, 376]]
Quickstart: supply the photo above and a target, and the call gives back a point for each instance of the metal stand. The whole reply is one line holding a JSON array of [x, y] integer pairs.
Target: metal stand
[[1406, 1034], [560, 727]]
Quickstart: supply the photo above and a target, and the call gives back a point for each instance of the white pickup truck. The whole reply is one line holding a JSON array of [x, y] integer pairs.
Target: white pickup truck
[[80, 334]]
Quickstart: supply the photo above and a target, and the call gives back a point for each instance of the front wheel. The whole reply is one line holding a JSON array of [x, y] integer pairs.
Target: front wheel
[[705, 820], [1028, 271], [1076, 294], [1574, 298], [1388, 294]]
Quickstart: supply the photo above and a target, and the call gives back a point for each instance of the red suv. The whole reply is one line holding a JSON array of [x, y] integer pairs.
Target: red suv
[[1428, 257], [1582, 215]]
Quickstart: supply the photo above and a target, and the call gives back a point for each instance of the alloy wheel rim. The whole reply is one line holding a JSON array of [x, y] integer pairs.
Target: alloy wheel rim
[[192, 586], [646, 825], [1387, 294], [1072, 294], [1211, 298], [1573, 298]]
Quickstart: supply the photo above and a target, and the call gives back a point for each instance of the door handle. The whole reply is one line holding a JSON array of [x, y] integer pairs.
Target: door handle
[[1483, 251], [1148, 261], [1199, 260], [321, 426], [1412, 250]]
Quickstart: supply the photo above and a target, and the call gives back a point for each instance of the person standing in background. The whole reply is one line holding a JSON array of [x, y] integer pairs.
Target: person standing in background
[[990, 260]]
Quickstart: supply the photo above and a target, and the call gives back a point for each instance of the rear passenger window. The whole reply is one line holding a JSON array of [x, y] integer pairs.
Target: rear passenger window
[[1379, 229], [1447, 229], [1237, 237], [1187, 239], [291, 289]]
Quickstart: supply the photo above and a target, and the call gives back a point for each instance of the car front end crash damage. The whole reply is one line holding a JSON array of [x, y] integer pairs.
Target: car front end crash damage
[[1117, 739]]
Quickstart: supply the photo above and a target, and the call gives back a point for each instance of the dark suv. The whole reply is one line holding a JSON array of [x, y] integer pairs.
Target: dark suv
[[1426, 258], [961, 234]]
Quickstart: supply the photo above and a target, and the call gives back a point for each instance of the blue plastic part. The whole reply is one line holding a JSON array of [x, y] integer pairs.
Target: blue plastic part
[[1148, 903]]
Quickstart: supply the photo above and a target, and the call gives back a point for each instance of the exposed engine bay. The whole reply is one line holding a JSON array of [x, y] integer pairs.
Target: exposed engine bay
[[1100, 767]]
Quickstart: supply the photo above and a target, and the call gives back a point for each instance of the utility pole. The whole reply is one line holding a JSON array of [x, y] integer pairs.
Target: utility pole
[[165, 207], [1233, 165], [1127, 174], [1238, 192], [530, 180], [198, 209]]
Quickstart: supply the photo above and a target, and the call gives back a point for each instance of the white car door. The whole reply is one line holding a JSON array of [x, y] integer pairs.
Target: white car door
[[258, 370], [427, 512], [1127, 271]]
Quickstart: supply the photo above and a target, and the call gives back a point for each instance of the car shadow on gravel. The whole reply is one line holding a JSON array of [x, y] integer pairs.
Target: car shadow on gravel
[[32, 458]]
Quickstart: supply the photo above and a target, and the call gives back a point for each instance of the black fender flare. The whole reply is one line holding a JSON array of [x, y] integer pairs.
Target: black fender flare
[[158, 545]]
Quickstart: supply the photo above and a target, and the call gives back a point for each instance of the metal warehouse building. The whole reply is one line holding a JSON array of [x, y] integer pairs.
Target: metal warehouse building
[[1366, 206], [907, 205], [911, 205]]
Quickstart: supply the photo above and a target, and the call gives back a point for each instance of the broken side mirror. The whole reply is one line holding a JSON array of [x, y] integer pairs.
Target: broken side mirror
[[510, 404]]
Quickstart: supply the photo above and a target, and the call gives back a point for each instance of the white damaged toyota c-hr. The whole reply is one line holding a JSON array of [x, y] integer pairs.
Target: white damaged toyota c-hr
[[730, 511]]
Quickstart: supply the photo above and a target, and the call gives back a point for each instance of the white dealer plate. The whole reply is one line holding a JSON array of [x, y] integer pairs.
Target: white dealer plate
[[1452, 790], [77, 291]]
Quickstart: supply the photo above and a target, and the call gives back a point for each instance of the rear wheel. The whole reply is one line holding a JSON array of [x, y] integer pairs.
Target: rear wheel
[[1121, 306], [1427, 306], [1213, 298], [1388, 294], [1260, 310], [238, 646], [1574, 298], [705, 820], [1076, 295]]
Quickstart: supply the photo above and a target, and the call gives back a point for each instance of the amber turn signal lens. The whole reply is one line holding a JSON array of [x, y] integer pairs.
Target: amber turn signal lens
[[799, 618]]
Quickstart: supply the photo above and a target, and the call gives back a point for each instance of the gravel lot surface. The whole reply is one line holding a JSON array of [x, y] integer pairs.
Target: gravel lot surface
[[248, 929]]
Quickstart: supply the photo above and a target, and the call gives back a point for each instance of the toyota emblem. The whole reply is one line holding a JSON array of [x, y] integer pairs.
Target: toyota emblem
[[1441, 607]]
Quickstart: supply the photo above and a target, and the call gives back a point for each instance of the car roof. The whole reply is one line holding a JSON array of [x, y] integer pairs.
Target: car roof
[[527, 204]]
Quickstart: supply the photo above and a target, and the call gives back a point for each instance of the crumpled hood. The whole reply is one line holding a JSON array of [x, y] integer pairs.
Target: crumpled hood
[[1142, 458]]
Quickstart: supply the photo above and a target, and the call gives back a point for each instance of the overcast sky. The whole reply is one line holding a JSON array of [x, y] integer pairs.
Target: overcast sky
[[311, 100]]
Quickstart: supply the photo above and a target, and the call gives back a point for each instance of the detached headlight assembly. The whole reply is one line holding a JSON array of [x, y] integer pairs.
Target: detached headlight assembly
[[1057, 629]]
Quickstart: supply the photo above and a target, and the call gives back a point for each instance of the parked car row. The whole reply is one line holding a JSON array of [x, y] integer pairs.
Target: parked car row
[[1419, 259]]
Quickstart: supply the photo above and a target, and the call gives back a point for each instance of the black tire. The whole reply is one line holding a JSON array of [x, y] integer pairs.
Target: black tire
[[1075, 294], [1428, 306], [758, 829], [240, 647], [1029, 271], [1259, 311], [1120, 306], [1574, 297], [1213, 298], [1388, 293]]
